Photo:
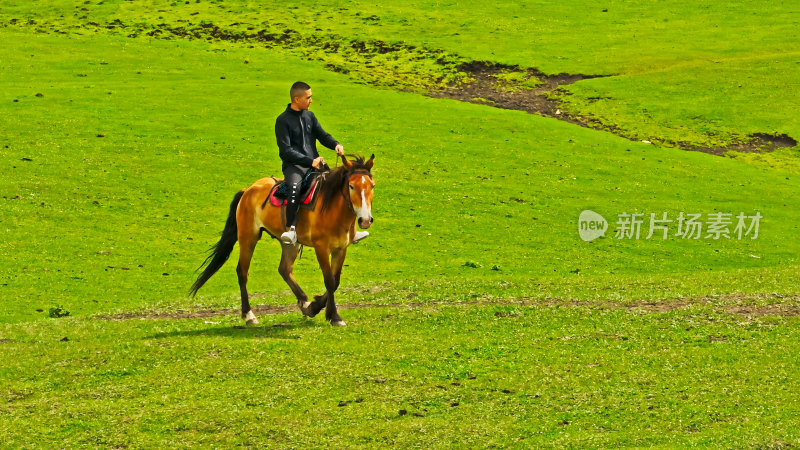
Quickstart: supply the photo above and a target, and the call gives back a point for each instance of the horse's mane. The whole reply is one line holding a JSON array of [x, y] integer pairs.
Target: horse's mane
[[336, 178]]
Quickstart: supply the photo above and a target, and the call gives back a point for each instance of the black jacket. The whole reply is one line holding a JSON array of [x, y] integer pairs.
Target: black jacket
[[298, 146]]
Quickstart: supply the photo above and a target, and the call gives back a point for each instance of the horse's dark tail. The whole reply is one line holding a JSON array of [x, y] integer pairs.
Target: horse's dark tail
[[222, 249]]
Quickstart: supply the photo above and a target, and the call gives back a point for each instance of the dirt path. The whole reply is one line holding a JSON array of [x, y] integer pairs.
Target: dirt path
[[739, 304]]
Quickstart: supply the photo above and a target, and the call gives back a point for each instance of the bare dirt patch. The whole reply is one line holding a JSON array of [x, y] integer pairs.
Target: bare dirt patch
[[737, 304], [758, 143], [780, 310], [197, 313], [491, 86]]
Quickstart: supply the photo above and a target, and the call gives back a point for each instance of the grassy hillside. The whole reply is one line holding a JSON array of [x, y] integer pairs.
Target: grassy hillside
[[477, 314], [185, 126], [574, 37], [682, 73]]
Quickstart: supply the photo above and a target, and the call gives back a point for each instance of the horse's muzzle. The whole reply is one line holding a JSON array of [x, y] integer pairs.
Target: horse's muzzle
[[365, 223]]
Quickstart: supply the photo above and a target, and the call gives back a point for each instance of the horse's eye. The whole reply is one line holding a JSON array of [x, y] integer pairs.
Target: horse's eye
[[351, 187]]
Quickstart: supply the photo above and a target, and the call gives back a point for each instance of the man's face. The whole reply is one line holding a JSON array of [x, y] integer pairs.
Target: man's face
[[304, 101]]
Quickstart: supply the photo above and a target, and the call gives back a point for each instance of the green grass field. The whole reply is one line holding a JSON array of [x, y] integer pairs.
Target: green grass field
[[475, 307], [433, 376]]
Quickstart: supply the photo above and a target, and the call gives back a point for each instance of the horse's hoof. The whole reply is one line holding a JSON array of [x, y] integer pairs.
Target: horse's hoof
[[250, 318], [305, 308], [316, 306], [338, 323], [321, 300]]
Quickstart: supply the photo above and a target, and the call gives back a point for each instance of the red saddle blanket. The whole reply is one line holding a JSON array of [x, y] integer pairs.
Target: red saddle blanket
[[308, 196]]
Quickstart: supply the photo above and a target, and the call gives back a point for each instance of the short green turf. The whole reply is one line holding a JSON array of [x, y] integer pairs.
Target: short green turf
[[471, 376], [120, 156]]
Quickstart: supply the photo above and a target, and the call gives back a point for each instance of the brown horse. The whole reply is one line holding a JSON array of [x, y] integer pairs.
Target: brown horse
[[345, 198]]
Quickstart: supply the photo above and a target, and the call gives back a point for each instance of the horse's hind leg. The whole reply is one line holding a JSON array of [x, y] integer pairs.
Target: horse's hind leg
[[286, 269], [247, 245]]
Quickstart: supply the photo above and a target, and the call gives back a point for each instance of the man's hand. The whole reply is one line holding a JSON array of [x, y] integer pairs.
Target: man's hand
[[339, 150], [318, 162]]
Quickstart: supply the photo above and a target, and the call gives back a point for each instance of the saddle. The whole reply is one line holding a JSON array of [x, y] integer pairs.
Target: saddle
[[279, 194]]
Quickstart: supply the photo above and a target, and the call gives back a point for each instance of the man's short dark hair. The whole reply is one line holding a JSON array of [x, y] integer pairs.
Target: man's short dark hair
[[298, 89]]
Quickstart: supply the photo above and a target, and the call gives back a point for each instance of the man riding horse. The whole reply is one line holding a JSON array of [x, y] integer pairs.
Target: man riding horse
[[329, 225], [297, 131]]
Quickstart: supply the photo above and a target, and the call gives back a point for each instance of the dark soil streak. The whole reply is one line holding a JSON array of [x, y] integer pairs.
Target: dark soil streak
[[758, 143], [489, 89]]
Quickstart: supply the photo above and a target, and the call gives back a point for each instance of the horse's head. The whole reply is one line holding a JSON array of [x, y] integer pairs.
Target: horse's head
[[360, 188]]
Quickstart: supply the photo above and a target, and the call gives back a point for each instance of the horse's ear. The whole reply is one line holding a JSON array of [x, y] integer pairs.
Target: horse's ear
[[370, 162], [347, 163]]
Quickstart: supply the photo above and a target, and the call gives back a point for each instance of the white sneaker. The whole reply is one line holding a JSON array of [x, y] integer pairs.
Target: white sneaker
[[289, 237], [360, 235]]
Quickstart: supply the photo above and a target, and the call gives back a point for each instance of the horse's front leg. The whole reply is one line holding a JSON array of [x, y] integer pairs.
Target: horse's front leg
[[337, 261], [331, 265], [286, 269]]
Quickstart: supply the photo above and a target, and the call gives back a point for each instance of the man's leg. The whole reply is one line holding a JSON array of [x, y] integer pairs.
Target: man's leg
[[293, 176]]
